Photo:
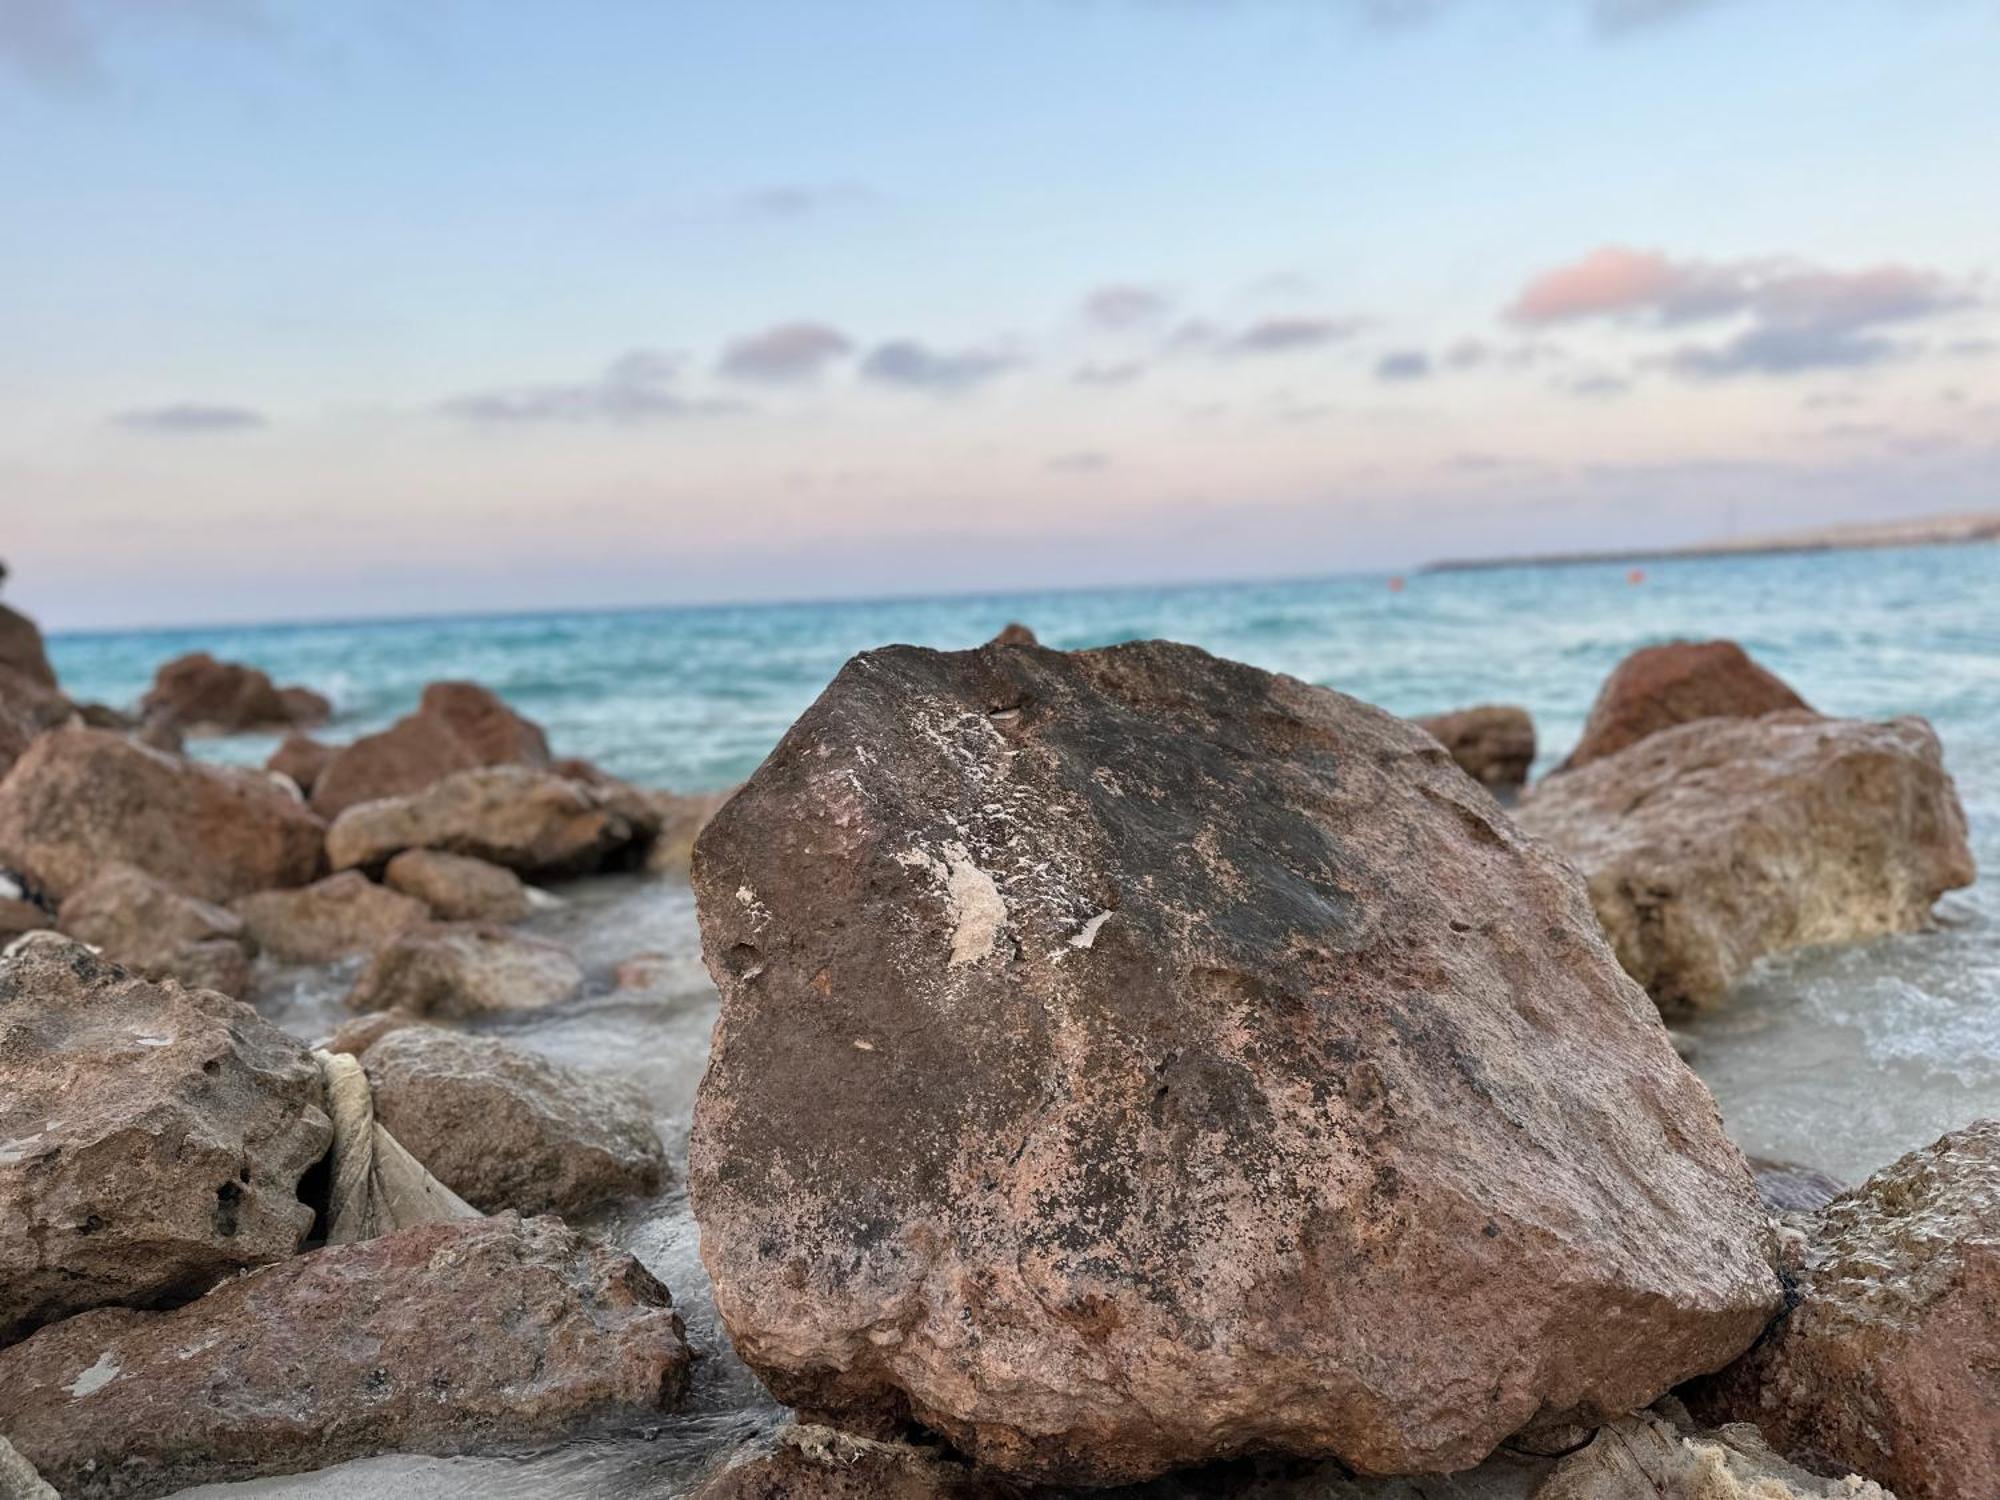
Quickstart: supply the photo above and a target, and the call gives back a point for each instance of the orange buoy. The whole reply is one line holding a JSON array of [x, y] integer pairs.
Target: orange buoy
[[1637, 575], [1395, 583]]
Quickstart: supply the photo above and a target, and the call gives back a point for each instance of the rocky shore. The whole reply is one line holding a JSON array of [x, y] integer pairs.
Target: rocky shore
[[1136, 1073]]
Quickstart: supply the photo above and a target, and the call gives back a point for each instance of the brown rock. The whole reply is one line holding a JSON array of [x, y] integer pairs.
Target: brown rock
[[1885, 1363], [81, 799], [1199, 1064], [22, 650], [458, 888], [18, 915], [439, 1339], [818, 1463], [334, 918], [458, 726], [1494, 743], [506, 1128], [1710, 845], [456, 970], [357, 1034], [151, 1138], [682, 816], [1789, 1188], [1661, 686], [31, 702], [302, 758], [157, 932], [225, 697], [1014, 633], [528, 820]]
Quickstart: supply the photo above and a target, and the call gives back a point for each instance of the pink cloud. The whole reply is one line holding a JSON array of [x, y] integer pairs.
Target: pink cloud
[[1606, 281]]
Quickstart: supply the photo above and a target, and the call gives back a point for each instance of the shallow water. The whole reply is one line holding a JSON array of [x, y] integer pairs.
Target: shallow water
[[1841, 1059]]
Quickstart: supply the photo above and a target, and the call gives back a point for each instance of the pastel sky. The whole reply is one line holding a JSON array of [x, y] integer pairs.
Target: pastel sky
[[360, 307]]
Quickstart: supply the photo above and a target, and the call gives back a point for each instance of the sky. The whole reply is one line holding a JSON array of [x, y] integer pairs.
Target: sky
[[354, 307]]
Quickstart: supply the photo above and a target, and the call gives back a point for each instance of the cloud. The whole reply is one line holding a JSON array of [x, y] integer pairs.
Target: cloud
[[636, 387], [1287, 335], [1088, 461], [1120, 306], [191, 417], [1123, 373], [916, 366], [1783, 350], [61, 43], [798, 200], [1403, 364], [1618, 17], [786, 353]]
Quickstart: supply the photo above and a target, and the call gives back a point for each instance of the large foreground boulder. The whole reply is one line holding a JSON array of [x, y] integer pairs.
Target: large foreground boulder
[[1661, 686], [81, 799], [1494, 743], [208, 696], [458, 970], [534, 823], [1711, 845], [1129, 1059], [439, 1339], [506, 1128], [338, 917], [151, 1138], [157, 932], [1889, 1360], [457, 726]]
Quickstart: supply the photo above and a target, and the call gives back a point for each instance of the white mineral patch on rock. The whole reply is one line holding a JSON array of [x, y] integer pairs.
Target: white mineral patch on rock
[[973, 903], [97, 1377]]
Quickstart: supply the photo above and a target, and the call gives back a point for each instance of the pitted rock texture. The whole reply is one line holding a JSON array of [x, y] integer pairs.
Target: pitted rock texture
[[81, 799], [458, 888], [456, 970], [151, 1138], [1888, 1362], [506, 1128], [1494, 743], [457, 726], [334, 918], [439, 1339], [1129, 1058], [1661, 686], [819, 1463], [1708, 846], [157, 932]]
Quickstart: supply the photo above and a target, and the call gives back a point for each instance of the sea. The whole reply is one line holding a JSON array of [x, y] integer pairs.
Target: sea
[[1840, 1058]]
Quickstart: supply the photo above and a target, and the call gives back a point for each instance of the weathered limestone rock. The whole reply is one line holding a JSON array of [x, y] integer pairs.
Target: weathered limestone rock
[[682, 816], [1193, 1062], [1494, 743], [151, 1138], [1677, 683], [21, 648], [1662, 1455], [81, 799], [506, 1128], [458, 888], [223, 697], [460, 969], [528, 820], [337, 917], [157, 932], [1708, 846], [458, 726], [438, 1339], [1886, 1363], [302, 758], [818, 1463]]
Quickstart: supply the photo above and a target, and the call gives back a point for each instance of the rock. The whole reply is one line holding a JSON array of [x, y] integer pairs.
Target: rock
[[302, 758], [438, 1339], [682, 816], [1494, 743], [1710, 845], [528, 820], [158, 933], [1789, 1188], [456, 970], [458, 726], [1885, 1363], [818, 1463], [81, 799], [334, 918], [506, 1128], [357, 1034], [1662, 1455], [1198, 1064], [19, 915], [1014, 633], [159, 732], [22, 649], [1661, 686], [31, 703], [458, 888], [151, 1138], [224, 697]]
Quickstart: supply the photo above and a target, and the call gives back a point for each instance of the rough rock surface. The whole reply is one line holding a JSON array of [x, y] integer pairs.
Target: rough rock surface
[[506, 1128], [1494, 743], [157, 932], [334, 918], [225, 697], [81, 799], [528, 820], [452, 970], [302, 758], [1677, 683], [21, 648], [151, 1138], [1662, 1455], [438, 1339], [1199, 1063], [1710, 845], [1889, 1361], [457, 887], [818, 1463], [458, 726]]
